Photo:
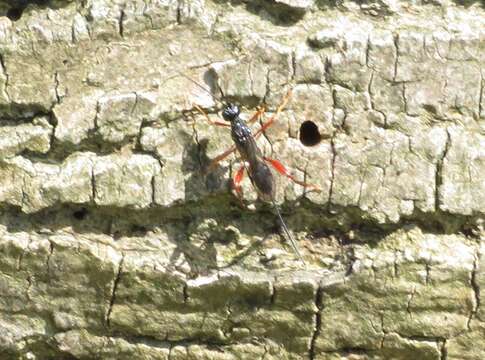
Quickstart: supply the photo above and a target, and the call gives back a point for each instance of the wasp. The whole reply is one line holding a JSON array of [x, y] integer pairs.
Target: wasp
[[254, 163]]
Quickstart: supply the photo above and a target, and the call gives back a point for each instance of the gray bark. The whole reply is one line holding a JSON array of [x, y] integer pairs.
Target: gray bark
[[117, 243]]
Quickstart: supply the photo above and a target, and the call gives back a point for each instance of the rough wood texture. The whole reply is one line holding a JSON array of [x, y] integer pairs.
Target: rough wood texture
[[117, 244]]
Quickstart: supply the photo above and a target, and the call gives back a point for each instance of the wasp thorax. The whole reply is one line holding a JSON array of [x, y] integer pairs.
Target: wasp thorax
[[230, 112]]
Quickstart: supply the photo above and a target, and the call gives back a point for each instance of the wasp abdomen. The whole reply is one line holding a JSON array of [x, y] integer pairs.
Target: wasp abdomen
[[262, 179]]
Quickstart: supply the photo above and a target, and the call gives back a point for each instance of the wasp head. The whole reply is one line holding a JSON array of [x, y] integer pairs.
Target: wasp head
[[230, 112]]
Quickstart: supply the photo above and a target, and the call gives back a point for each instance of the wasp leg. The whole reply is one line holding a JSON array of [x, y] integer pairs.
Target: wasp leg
[[260, 112], [218, 158], [226, 153], [213, 122], [278, 166], [236, 180], [271, 120], [229, 151]]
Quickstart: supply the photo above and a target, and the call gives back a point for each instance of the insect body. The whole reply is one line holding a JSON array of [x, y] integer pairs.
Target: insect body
[[254, 163], [240, 133], [258, 171]]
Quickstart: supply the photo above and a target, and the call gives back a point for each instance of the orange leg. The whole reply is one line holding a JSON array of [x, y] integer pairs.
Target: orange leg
[[278, 166], [229, 151], [253, 118], [220, 157], [268, 123], [236, 180], [260, 112], [217, 123], [213, 122]]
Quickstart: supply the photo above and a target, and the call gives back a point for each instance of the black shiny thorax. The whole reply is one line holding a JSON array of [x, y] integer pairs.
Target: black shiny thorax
[[243, 138], [241, 134]]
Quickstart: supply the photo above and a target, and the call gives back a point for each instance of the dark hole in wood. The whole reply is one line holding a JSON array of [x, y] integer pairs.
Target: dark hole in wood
[[309, 134]]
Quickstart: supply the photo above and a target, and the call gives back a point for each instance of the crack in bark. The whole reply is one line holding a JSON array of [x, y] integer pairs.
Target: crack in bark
[[56, 88], [178, 15], [133, 108], [272, 297], [383, 338], [7, 78], [29, 285], [440, 342], [332, 173], [185, 293], [52, 136], [476, 290], [381, 317], [353, 259], [428, 273], [318, 323], [396, 52], [361, 187], [250, 77], [369, 90], [113, 292], [293, 66], [375, 328], [169, 356], [48, 260], [408, 305], [439, 171], [266, 351], [396, 265], [367, 50], [22, 253], [481, 96], [73, 29], [93, 183], [88, 28], [375, 271], [334, 106], [154, 342], [212, 27], [326, 70], [120, 22], [305, 179], [443, 351], [24, 194], [440, 55], [371, 98], [404, 98], [350, 352], [437, 339], [153, 188], [95, 119]]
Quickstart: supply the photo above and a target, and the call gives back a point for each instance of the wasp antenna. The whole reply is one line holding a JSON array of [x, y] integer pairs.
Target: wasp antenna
[[202, 88]]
